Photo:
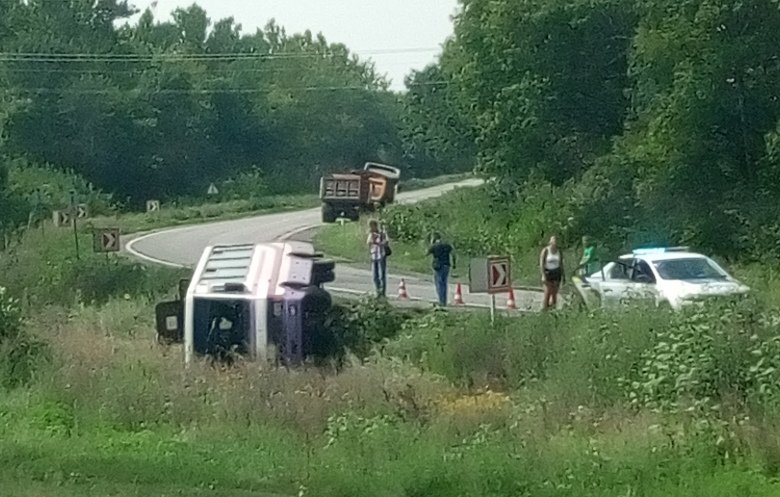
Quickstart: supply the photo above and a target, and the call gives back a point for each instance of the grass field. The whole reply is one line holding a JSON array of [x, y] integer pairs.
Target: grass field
[[113, 414]]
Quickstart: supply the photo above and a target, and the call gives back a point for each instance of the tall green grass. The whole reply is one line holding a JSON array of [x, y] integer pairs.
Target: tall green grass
[[43, 268], [451, 407]]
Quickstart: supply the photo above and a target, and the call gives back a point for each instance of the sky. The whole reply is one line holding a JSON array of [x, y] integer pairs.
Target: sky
[[370, 28]]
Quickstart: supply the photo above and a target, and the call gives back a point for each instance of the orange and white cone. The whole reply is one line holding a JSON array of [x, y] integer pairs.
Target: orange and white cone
[[510, 303], [458, 295], [402, 290]]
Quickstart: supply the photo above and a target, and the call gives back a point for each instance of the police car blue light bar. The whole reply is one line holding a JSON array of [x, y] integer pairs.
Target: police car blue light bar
[[659, 250]]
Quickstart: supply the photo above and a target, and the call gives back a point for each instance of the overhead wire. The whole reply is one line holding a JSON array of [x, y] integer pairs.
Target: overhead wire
[[14, 59], [62, 57], [210, 91]]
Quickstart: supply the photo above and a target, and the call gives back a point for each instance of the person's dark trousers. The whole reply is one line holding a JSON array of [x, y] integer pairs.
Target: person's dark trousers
[[440, 277], [379, 271]]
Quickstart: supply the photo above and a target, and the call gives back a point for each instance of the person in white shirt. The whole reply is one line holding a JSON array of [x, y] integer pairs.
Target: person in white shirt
[[551, 265], [377, 245]]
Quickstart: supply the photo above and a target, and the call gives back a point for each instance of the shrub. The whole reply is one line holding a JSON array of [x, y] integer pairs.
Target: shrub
[[19, 351], [44, 268], [709, 354], [25, 178], [358, 327], [250, 184], [691, 361]]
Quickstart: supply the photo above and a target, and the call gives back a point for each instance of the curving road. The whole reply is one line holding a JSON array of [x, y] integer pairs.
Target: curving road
[[182, 247]]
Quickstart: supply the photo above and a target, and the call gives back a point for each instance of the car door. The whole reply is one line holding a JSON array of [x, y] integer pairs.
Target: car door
[[613, 289], [641, 285]]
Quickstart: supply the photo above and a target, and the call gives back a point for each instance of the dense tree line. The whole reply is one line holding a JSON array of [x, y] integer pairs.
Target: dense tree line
[[654, 116], [161, 109]]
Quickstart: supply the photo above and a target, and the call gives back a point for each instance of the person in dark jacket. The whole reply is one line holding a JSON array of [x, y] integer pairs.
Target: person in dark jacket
[[443, 260]]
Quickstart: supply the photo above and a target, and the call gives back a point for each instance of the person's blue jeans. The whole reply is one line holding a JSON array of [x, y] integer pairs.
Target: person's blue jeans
[[379, 271], [440, 277]]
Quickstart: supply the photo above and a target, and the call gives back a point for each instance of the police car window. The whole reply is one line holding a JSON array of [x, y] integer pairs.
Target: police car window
[[642, 272], [619, 270]]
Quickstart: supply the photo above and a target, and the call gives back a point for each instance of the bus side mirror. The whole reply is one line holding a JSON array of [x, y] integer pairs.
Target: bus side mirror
[[184, 285]]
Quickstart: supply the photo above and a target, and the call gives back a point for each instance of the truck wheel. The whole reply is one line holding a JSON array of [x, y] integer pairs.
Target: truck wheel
[[328, 214]]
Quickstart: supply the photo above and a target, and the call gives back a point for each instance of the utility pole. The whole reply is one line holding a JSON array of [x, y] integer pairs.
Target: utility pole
[[74, 220]]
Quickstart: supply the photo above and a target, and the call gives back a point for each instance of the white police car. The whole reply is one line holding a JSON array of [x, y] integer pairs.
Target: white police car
[[665, 276]]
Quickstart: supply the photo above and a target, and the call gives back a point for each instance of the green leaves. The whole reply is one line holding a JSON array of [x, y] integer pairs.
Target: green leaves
[[157, 110], [544, 82]]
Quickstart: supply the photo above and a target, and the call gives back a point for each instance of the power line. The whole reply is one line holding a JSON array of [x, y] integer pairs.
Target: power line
[[110, 57], [149, 69], [212, 91]]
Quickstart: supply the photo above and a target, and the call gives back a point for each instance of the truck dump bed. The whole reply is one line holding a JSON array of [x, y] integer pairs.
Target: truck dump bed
[[350, 187]]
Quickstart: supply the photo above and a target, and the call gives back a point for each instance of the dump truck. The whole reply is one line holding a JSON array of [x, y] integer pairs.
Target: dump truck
[[348, 194]]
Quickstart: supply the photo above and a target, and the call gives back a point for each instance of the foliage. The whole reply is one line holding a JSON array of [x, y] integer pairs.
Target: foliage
[[646, 121], [47, 189], [705, 361], [108, 400], [43, 269], [544, 82], [161, 109], [437, 135], [358, 327], [20, 352], [248, 184], [698, 362]]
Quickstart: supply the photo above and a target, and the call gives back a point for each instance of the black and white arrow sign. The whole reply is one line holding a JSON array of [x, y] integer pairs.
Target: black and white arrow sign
[[499, 275], [106, 240]]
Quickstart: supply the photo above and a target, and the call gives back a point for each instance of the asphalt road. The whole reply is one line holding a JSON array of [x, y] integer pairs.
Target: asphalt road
[[183, 246]]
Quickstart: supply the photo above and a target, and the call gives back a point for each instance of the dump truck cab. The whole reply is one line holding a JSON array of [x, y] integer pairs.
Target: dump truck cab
[[384, 182]]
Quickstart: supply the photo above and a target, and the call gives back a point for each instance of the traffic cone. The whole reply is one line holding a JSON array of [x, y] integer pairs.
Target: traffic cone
[[458, 295], [510, 303], [402, 290]]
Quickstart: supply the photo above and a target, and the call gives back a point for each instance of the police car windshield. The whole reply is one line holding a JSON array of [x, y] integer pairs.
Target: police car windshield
[[689, 269]]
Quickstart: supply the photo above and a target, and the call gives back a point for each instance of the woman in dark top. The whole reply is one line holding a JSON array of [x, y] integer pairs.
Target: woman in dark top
[[442, 253]]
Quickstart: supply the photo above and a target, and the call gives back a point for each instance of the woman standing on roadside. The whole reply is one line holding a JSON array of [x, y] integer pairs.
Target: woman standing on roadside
[[551, 266], [377, 247]]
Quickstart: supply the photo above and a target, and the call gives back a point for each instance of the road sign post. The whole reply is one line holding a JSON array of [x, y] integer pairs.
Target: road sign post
[[105, 240], [491, 275], [74, 216]]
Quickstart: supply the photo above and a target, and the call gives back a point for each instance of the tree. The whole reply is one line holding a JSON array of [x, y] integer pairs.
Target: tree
[[438, 135], [705, 94], [163, 109], [544, 81]]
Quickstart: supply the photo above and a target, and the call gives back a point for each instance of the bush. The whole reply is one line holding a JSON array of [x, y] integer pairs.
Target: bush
[[44, 269], [358, 327], [250, 184], [703, 360], [26, 178], [19, 351], [96, 281], [707, 355]]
